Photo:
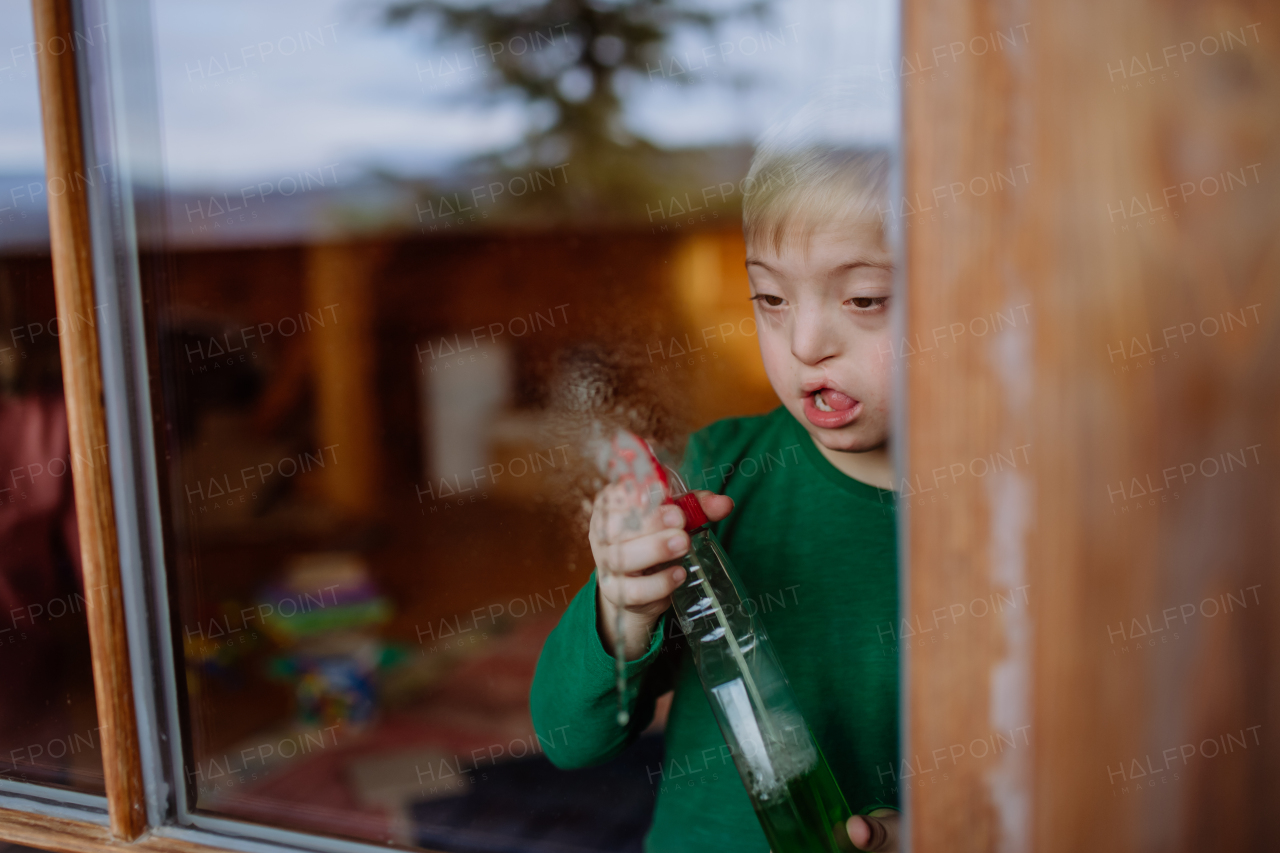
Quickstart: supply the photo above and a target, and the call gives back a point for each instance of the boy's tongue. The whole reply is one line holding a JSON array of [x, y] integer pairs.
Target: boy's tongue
[[836, 400]]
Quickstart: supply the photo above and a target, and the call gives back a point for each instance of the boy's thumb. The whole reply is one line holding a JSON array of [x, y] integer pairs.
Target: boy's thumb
[[869, 833]]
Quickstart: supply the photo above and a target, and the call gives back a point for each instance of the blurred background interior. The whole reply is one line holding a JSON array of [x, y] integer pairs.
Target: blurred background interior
[[48, 720], [382, 231]]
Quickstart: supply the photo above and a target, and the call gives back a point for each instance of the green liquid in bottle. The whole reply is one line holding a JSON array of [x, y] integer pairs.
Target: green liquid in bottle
[[791, 787], [794, 820]]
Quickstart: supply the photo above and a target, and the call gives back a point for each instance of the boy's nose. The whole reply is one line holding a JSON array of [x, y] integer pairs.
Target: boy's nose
[[812, 340]]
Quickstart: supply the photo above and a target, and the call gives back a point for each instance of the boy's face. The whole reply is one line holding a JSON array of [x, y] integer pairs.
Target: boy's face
[[823, 317]]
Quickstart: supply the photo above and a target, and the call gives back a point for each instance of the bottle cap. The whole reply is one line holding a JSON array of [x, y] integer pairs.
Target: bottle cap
[[694, 517], [678, 493]]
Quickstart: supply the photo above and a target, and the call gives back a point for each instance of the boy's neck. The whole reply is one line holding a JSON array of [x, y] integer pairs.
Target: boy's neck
[[873, 467]]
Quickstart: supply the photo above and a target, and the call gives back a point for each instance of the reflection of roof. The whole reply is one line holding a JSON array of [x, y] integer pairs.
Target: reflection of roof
[[275, 212], [318, 206], [24, 212], [280, 214]]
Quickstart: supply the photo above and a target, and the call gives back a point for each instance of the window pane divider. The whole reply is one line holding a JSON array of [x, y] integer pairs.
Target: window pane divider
[[86, 421]]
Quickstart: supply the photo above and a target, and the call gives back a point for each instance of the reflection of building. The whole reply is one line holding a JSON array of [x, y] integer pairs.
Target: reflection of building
[[390, 401]]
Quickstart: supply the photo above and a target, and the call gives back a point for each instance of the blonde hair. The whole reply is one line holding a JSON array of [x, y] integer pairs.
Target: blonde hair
[[792, 191], [825, 162]]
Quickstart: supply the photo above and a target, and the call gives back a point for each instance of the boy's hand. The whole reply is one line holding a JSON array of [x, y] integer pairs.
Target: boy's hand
[[877, 831], [634, 546]]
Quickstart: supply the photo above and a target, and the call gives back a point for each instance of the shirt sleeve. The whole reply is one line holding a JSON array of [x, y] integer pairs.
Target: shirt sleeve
[[574, 701]]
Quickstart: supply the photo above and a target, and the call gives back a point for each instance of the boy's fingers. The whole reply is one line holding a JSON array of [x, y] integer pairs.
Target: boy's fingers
[[669, 519], [618, 522], [715, 506], [877, 831], [646, 589], [651, 521], [640, 553]]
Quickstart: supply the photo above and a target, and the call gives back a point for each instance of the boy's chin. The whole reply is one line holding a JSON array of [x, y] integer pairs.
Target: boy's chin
[[845, 444], [854, 438]]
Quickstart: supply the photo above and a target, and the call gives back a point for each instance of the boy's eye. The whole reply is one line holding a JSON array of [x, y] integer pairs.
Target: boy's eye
[[767, 299], [865, 302]]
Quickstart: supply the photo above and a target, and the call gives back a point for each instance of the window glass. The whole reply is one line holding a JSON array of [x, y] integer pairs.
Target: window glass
[[391, 233], [48, 720]]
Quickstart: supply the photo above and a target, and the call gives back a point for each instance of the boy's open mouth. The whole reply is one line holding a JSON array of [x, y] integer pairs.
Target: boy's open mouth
[[831, 409]]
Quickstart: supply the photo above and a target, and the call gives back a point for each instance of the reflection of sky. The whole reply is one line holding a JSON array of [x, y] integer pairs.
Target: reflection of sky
[[362, 95], [787, 58], [21, 143]]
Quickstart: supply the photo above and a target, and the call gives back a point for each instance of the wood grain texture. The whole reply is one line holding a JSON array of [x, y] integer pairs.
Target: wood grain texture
[[82, 383], [1119, 548], [52, 833]]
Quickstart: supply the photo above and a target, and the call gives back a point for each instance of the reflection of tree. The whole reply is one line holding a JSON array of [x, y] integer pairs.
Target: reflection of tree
[[589, 54]]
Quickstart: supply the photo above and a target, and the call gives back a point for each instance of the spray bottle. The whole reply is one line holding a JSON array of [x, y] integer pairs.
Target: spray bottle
[[791, 787]]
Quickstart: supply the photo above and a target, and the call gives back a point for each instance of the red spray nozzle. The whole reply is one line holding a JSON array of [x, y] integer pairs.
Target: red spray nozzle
[[678, 493], [694, 517], [625, 457]]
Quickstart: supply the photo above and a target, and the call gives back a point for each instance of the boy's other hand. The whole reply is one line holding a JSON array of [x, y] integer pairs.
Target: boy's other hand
[[635, 547], [877, 831]]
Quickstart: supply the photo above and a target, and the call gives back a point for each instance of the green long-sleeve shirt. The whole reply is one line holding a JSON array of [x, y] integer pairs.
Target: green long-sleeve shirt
[[816, 552]]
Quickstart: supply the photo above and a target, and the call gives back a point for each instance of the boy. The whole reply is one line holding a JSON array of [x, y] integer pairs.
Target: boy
[[816, 532]]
